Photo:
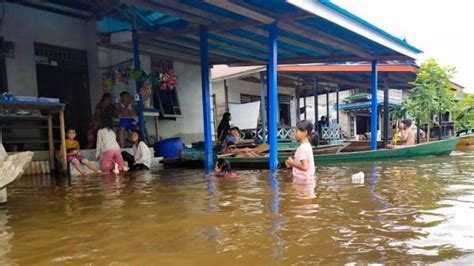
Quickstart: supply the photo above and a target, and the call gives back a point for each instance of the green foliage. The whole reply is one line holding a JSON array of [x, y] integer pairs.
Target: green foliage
[[464, 112], [398, 112], [431, 93]]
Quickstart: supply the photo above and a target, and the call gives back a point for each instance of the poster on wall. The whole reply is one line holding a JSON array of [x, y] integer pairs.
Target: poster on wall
[[245, 116]]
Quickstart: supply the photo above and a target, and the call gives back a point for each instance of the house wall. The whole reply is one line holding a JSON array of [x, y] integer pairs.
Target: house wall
[[189, 126], [237, 87], [24, 26]]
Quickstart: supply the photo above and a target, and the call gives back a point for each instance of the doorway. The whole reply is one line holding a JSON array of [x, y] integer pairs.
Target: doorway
[[62, 73]]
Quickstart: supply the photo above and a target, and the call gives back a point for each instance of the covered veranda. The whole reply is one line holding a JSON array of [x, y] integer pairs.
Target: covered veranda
[[247, 33], [315, 80]]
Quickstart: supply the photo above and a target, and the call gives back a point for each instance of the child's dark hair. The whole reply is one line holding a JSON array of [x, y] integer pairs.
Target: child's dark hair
[[314, 139], [224, 166], [235, 128], [226, 116], [123, 93], [138, 133], [105, 96], [71, 129], [305, 125], [407, 122]]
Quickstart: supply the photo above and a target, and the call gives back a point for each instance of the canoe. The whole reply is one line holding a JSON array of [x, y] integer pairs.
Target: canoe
[[360, 145], [11, 167], [466, 140], [466, 143], [442, 147]]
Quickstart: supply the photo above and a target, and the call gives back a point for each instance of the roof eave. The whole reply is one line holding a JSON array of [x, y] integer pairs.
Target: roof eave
[[343, 18]]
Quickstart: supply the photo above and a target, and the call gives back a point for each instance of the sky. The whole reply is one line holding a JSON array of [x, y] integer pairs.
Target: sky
[[442, 29]]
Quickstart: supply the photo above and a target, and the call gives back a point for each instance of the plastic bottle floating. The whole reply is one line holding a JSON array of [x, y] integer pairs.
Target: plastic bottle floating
[[358, 178]]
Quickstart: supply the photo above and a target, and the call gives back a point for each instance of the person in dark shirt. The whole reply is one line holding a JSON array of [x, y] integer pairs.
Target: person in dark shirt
[[224, 126]]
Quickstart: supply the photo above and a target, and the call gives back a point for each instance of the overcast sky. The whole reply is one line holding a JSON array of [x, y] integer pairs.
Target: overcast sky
[[442, 29]]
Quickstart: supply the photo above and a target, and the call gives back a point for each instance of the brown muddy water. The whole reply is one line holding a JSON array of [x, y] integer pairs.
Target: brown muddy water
[[410, 211]]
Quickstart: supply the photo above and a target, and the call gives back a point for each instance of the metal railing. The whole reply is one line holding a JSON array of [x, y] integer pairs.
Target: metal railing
[[284, 133]]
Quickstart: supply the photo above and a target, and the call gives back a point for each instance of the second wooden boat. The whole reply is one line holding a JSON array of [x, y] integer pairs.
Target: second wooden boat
[[442, 147]]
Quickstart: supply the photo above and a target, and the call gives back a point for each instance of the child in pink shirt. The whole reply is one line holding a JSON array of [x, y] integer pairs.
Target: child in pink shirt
[[303, 164]]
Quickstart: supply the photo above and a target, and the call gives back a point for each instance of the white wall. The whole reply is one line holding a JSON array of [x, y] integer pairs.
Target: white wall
[[237, 87], [24, 26], [190, 125]]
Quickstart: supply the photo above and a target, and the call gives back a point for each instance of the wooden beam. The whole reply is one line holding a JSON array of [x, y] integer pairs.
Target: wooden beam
[[237, 9], [319, 36], [310, 33], [290, 41], [170, 11], [165, 54], [227, 44]]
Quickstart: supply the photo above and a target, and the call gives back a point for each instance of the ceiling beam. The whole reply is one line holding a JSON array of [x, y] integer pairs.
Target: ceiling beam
[[290, 41], [212, 50], [155, 52], [309, 33], [237, 9], [169, 11]]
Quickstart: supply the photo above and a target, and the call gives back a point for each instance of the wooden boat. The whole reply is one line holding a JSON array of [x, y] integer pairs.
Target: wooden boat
[[194, 158], [442, 147], [11, 167], [466, 143], [360, 145]]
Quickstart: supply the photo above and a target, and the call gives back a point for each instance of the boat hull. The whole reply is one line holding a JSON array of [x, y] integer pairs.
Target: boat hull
[[466, 143], [442, 147]]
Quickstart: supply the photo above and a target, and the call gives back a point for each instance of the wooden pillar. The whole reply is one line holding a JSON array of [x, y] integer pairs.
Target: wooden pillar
[[385, 111], [327, 107], [297, 101], [316, 103], [226, 96], [62, 130], [337, 105], [304, 106], [263, 108], [157, 127], [51, 142]]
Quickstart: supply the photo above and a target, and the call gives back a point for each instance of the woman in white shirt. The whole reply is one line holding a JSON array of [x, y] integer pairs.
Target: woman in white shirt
[[109, 150], [141, 159]]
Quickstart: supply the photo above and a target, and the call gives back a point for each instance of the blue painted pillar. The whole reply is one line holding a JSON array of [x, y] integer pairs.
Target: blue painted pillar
[[206, 100], [139, 82], [273, 96], [374, 107]]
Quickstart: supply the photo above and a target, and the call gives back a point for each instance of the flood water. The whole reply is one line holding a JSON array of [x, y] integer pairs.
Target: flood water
[[410, 211]]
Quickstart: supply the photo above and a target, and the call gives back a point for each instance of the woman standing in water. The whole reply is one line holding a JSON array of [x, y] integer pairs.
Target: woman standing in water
[[224, 126]]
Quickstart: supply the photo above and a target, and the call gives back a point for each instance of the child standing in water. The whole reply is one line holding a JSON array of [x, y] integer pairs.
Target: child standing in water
[[303, 164], [73, 154]]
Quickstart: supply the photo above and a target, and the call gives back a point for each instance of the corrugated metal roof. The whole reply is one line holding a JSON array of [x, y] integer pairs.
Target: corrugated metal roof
[[238, 32]]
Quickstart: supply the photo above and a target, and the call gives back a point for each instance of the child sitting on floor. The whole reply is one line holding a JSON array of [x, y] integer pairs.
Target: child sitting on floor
[[230, 145], [73, 154], [109, 149]]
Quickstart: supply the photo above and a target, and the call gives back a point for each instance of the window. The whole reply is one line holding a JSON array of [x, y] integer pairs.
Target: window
[[247, 98], [165, 101]]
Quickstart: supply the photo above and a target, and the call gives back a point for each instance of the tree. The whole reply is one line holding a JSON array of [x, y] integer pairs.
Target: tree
[[431, 92], [464, 112]]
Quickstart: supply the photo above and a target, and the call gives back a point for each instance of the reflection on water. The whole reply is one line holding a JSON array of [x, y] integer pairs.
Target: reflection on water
[[406, 211]]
